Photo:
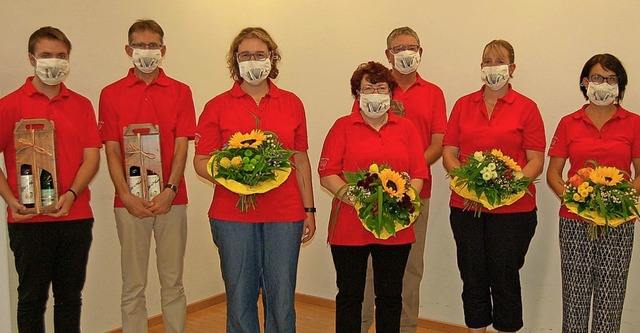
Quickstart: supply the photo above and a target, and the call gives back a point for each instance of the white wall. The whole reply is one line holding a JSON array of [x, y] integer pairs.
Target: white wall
[[322, 42]]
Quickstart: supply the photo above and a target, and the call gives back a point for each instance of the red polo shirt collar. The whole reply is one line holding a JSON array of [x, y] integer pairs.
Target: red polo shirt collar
[[620, 113], [237, 92], [509, 98], [29, 89], [162, 79]]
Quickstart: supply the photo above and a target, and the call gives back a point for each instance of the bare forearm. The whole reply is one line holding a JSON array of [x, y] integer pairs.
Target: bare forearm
[[87, 171], [303, 174], [116, 170], [200, 165], [434, 151], [179, 161]]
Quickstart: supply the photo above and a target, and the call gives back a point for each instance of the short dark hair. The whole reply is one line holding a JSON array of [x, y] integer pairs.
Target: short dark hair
[[608, 62], [144, 25], [48, 33], [375, 72]]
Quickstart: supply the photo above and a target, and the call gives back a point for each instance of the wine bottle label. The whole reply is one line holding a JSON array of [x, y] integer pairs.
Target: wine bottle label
[[48, 197], [154, 185], [135, 185], [26, 190]]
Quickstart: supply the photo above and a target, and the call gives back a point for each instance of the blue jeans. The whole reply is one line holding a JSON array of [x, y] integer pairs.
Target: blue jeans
[[255, 256]]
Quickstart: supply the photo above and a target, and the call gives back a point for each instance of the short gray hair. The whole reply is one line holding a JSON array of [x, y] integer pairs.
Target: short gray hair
[[401, 31]]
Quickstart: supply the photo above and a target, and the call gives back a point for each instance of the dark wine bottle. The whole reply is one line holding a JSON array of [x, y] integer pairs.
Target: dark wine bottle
[[47, 189], [135, 181], [153, 184], [27, 188]]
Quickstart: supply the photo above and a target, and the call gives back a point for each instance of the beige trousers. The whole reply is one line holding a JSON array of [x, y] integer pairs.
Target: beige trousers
[[170, 234], [410, 282]]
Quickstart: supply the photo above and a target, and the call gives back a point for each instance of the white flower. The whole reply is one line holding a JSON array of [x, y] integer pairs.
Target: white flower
[[494, 174], [518, 175], [486, 175], [478, 156], [491, 166]]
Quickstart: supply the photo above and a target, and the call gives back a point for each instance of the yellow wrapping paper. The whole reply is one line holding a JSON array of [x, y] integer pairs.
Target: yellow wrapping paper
[[239, 188], [595, 217], [464, 192]]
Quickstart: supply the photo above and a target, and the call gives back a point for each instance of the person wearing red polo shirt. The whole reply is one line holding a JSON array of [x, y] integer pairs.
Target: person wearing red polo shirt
[[53, 248], [491, 247], [258, 248], [595, 271], [423, 104], [148, 95], [355, 141]]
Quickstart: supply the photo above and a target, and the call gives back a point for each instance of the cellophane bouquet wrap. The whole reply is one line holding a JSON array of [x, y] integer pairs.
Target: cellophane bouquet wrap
[[601, 195], [250, 164], [489, 179], [383, 199]]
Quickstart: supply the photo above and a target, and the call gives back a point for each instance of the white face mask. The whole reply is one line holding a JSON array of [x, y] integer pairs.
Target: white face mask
[[406, 61], [495, 77], [375, 105], [146, 60], [52, 71], [254, 71], [602, 94]]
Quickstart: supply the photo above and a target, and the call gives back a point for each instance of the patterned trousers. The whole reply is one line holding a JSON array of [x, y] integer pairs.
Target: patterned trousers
[[593, 268]]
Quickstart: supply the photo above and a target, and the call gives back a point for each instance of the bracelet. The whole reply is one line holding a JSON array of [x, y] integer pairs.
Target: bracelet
[[310, 209], [75, 195], [172, 187]]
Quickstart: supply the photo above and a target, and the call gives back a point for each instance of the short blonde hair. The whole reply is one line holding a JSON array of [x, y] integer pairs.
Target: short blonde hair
[[261, 34], [144, 25], [495, 44]]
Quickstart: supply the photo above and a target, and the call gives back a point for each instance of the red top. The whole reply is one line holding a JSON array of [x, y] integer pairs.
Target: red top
[[579, 140], [75, 129], [279, 111], [164, 102], [352, 144], [515, 126], [424, 105]]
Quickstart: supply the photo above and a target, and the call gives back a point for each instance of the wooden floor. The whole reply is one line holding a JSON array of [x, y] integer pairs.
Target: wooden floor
[[311, 318]]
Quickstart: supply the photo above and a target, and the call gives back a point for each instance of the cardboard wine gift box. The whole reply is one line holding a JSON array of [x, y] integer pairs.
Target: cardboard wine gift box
[[35, 145], [143, 162]]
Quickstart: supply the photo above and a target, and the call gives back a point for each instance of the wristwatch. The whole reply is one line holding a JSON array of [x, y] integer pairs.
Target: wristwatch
[[172, 187]]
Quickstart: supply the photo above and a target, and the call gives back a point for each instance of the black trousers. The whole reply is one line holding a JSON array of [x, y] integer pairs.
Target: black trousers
[[491, 250], [56, 254], [389, 262]]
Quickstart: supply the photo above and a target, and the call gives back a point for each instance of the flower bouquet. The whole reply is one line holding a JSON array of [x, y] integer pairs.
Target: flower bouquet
[[601, 195], [489, 180], [250, 164], [383, 199]]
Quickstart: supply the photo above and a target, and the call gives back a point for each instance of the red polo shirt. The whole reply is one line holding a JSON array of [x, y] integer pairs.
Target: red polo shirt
[[165, 102], [514, 127], [425, 106], [352, 144], [75, 129], [279, 111], [579, 140]]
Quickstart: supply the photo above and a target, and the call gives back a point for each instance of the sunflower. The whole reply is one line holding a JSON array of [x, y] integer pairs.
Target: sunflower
[[497, 153], [251, 140], [607, 176], [510, 163], [393, 183]]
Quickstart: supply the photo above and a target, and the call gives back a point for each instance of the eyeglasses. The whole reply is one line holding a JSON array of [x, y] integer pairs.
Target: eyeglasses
[[148, 46], [597, 78], [373, 90], [400, 48], [258, 56]]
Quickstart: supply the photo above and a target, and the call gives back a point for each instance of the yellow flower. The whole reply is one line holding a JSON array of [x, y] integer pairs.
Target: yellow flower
[[236, 161], [251, 140], [373, 168], [510, 163], [577, 197], [393, 183], [497, 153], [411, 194], [225, 162], [608, 176]]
